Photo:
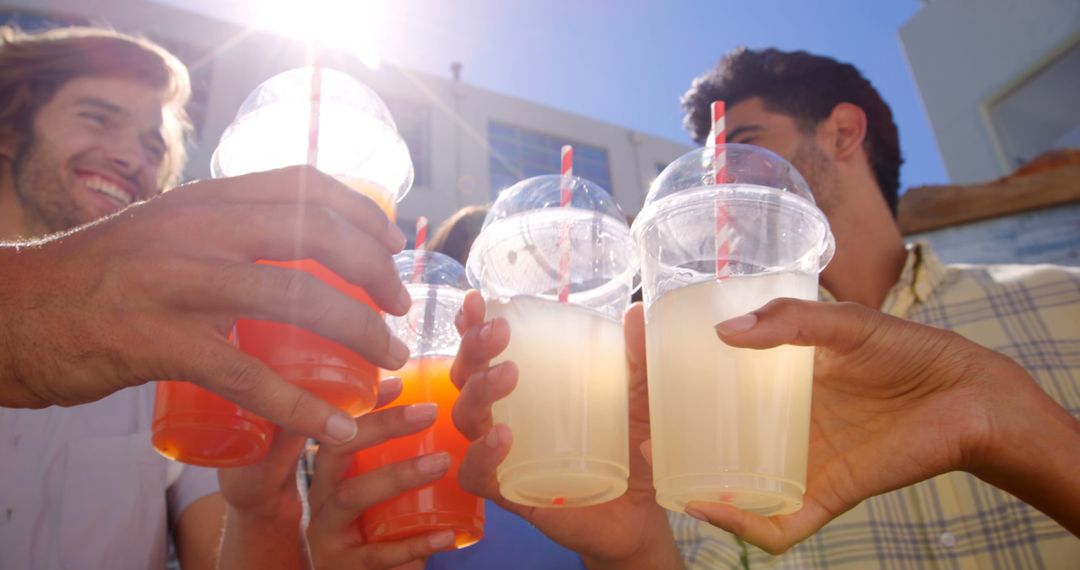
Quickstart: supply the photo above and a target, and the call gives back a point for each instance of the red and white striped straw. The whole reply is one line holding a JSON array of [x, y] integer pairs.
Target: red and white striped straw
[[567, 172], [421, 240], [421, 232], [316, 103], [718, 139]]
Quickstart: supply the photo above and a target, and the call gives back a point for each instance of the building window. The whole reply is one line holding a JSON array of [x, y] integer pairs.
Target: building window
[[1041, 113], [517, 153], [413, 120]]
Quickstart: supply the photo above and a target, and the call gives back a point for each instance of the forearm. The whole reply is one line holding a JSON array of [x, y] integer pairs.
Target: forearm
[[1036, 457], [264, 541], [13, 390], [657, 550]]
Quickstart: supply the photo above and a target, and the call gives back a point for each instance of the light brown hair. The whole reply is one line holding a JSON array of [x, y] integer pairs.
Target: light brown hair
[[34, 66]]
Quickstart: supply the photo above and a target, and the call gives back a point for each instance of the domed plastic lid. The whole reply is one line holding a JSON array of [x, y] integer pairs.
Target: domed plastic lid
[[745, 164], [357, 136], [437, 285], [418, 266], [527, 232], [760, 215]]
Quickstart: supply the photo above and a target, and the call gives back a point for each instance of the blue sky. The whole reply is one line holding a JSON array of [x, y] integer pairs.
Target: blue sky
[[627, 62]]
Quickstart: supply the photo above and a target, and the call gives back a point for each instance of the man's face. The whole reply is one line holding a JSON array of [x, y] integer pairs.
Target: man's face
[[748, 122], [96, 147]]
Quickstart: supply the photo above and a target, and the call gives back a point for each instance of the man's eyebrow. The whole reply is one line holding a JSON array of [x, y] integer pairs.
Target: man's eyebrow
[[102, 104], [742, 131]]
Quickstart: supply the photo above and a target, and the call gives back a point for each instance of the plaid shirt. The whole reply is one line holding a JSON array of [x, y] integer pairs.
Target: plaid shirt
[[1030, 313]]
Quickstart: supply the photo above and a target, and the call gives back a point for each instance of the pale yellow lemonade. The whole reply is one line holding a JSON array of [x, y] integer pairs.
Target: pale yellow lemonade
[[725, 418], [568, 413]]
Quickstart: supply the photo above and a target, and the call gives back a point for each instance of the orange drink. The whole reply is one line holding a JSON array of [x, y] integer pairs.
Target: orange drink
[[439, 505], [322, 366], [196, 426], [327, 119]]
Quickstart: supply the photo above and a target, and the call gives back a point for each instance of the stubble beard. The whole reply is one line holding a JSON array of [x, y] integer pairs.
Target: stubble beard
[[819, 173], [48, 204]]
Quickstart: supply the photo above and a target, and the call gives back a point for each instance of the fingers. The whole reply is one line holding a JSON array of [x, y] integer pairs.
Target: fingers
[[389, 389], [479, 344], [270, 293], [333, 461], [471, 313], [634, 332], [840, 327], [477, 472], [295, 185], [472, 411], [393, 554], [282, 233], [353, 496], [224, 370], [772, 534]]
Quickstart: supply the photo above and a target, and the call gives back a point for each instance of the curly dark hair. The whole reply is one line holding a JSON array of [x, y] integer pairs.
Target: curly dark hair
[[806, 87]]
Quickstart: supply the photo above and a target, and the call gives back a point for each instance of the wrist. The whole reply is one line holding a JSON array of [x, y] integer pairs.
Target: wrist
[[14, 389], [1031, 451], [284, 512]]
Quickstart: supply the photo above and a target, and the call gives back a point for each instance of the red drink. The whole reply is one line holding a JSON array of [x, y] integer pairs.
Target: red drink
[[322, 366], [442, 504], [196, 426]]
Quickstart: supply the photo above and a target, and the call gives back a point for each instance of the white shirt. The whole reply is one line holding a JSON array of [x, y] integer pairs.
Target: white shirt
[[82, 487]]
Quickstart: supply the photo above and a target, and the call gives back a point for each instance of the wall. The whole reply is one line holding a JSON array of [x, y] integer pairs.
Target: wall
[[963, 53]]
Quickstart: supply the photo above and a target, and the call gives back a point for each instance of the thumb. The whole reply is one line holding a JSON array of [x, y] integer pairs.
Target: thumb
[[840, 327]]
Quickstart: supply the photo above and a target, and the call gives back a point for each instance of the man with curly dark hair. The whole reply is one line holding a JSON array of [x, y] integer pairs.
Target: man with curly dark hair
[[827, 119]]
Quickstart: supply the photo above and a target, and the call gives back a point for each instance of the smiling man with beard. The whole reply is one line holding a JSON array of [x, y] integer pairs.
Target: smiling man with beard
[[95, 305]]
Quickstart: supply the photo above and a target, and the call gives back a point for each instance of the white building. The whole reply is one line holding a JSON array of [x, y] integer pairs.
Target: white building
[[467, 143], [1000, 80]]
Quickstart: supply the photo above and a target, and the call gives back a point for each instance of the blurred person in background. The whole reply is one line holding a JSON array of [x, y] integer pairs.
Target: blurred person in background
[[455, 236]]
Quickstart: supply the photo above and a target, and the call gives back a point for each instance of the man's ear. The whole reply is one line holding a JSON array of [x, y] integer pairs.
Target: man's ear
[[848, 125]]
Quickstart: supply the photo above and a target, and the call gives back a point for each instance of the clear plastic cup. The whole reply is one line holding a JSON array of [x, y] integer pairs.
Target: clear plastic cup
[[568, 413], [196, 426], [728, 425], [437, 285], [358, 143]]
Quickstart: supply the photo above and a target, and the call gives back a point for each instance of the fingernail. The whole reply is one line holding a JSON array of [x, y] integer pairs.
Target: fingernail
[[492, 438], [404, 301], [738, 324], [486, 331], [420, 413], [697, 515], [646, 450], [441, 539], [434, 463], [398, 351], [390, 383], [340, 428]]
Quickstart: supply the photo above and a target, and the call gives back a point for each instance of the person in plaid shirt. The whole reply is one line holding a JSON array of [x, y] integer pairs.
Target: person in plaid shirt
[[897, 399], [831, 123]]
